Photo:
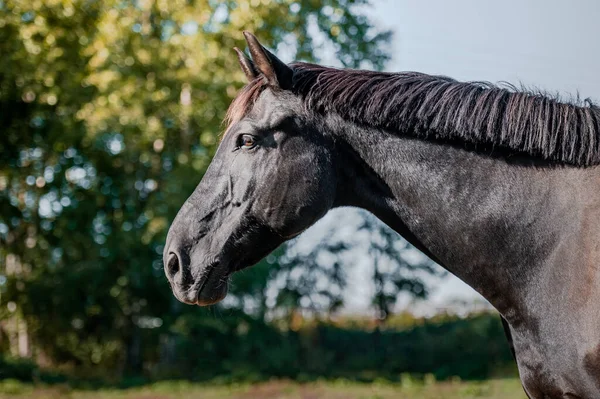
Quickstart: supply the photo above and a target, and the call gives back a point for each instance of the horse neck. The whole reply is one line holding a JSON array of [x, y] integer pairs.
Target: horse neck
[[492, 223]]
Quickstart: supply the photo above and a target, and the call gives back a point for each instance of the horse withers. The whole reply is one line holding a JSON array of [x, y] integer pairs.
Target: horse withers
[[498, 186]]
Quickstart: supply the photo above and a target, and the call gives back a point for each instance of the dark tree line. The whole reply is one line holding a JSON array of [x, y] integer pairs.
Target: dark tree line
[[109, 114]]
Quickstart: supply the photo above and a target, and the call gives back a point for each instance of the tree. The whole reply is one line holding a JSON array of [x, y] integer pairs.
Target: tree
[[110, 112], [311, 277]]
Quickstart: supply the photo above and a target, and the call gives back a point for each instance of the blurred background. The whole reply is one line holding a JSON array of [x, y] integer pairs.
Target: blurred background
[[110, 112]]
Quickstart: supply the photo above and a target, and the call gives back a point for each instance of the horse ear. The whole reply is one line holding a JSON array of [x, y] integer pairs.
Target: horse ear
[[273, 69], [247, 65]]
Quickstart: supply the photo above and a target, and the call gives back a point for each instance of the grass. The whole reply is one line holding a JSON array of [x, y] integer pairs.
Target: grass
[[278, 389]]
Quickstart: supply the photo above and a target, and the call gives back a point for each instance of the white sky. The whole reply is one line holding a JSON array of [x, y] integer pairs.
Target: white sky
[[552, 45]]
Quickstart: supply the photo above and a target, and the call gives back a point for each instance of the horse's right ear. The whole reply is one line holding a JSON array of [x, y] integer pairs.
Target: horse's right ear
[[247, 65], [275, 71]]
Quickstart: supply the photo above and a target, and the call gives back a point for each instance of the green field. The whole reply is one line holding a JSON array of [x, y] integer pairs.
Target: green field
[[492, 389]]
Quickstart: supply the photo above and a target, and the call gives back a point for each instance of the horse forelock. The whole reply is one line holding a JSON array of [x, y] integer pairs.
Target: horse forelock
[[244, 101]]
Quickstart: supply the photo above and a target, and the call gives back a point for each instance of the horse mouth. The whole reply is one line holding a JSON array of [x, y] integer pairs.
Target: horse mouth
[[213, 288]]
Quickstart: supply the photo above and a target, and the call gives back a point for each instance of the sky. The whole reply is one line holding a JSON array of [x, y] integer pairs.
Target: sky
[[549, 45]]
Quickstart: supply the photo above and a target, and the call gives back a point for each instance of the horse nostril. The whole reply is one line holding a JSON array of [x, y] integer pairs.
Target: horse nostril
[[172, 264]]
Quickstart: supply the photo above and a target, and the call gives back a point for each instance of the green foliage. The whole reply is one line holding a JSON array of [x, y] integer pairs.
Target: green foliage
[[239, 348], [110, 112], [471, 348], [17, 369], [12, 369]]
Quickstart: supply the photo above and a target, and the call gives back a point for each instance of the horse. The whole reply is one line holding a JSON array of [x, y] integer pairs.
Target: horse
[[500, 186]]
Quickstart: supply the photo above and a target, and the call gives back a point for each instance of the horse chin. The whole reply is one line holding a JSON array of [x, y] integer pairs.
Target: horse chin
[[214, 289], [211, 295]]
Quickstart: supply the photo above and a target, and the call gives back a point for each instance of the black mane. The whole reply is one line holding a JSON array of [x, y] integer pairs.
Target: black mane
[[435, 107]]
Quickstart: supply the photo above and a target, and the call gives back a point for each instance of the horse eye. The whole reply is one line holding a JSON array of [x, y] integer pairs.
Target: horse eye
[[247, 141]]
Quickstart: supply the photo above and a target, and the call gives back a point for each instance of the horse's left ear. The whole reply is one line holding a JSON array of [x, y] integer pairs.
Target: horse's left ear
[[273, 69]]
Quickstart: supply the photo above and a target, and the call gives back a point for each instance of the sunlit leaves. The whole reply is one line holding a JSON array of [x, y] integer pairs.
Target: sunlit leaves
[[110, 112]]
